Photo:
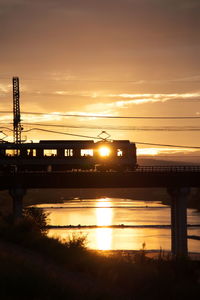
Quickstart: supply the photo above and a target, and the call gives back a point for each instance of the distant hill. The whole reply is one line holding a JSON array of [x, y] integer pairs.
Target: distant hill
[[168, 161]]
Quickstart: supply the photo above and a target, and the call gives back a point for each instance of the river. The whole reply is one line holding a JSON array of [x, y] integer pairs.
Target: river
[[146, 223]]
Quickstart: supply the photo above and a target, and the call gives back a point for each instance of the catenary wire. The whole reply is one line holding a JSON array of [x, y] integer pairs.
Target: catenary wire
[[137, 142], [108, 127], [94, 80], [106, 117], [123, 128]]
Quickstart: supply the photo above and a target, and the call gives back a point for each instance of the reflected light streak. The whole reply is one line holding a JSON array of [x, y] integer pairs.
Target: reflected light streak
[[103, 218]]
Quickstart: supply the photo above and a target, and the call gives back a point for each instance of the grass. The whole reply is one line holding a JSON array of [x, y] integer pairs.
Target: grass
[[19, 279], [39, 267]]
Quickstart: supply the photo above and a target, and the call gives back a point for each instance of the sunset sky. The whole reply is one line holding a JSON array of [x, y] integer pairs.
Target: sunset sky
[[104, 57]]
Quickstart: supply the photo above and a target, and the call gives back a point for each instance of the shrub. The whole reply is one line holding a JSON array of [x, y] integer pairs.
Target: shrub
[[37, 217], [77, 241]]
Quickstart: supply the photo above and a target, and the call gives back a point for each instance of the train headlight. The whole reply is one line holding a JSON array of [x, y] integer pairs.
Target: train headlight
[[104, 151]]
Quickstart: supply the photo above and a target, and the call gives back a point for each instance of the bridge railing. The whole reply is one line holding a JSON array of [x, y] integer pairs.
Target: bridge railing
[[164, 169], [139, 169]]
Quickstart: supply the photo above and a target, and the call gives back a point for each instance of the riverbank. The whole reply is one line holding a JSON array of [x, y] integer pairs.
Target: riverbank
[[39, 267], [152, 254], [60, 272]]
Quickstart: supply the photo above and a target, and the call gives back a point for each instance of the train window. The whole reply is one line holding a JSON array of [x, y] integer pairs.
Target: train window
[[31, 152], [10, 152], [68, 152], [50, 152], [119, 152], [86, 152]]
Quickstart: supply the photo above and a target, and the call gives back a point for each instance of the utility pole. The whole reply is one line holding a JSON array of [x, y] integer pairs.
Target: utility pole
[[17, 128]]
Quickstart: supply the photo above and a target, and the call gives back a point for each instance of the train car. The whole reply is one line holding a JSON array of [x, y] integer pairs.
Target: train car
[[62, 155]]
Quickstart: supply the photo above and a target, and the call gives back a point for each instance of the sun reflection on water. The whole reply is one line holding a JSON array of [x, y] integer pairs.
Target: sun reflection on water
[[104, 216]]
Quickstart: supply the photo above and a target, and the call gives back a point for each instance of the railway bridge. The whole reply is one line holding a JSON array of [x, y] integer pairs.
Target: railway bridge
[[176, 179]]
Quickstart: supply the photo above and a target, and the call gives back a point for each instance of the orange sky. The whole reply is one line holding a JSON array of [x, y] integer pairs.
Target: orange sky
[[113, 57]]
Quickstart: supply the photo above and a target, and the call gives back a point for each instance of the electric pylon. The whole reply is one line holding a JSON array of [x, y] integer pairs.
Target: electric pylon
[[16, 112]]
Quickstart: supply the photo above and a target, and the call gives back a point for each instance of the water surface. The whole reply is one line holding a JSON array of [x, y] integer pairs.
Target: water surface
[[117, 211]]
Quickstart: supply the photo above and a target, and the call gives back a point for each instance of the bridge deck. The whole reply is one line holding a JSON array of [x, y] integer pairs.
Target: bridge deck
[[145, 176]]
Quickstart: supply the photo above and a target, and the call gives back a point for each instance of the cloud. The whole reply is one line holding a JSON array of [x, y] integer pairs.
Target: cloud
[[102, 56], [5, 88], [133, 99], [58, 34]]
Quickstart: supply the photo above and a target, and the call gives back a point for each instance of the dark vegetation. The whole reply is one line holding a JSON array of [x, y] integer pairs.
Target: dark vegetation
[[34, 266]]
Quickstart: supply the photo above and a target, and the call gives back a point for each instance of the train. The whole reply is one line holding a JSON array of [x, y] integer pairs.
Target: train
[[68, 155]]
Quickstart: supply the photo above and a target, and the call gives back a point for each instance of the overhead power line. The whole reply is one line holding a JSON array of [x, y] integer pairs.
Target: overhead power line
[[194, 79], [64, 133], [113, 128], [76, 80], [121, 128], [6, 128], [168, 145], [99, 138], [107, 116]]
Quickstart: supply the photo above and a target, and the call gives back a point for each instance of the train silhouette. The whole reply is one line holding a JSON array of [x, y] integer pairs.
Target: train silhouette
[[63, 155]]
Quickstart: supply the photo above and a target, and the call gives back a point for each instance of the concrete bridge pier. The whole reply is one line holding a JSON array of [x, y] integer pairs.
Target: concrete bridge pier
[[179, 245], [17, 195]]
